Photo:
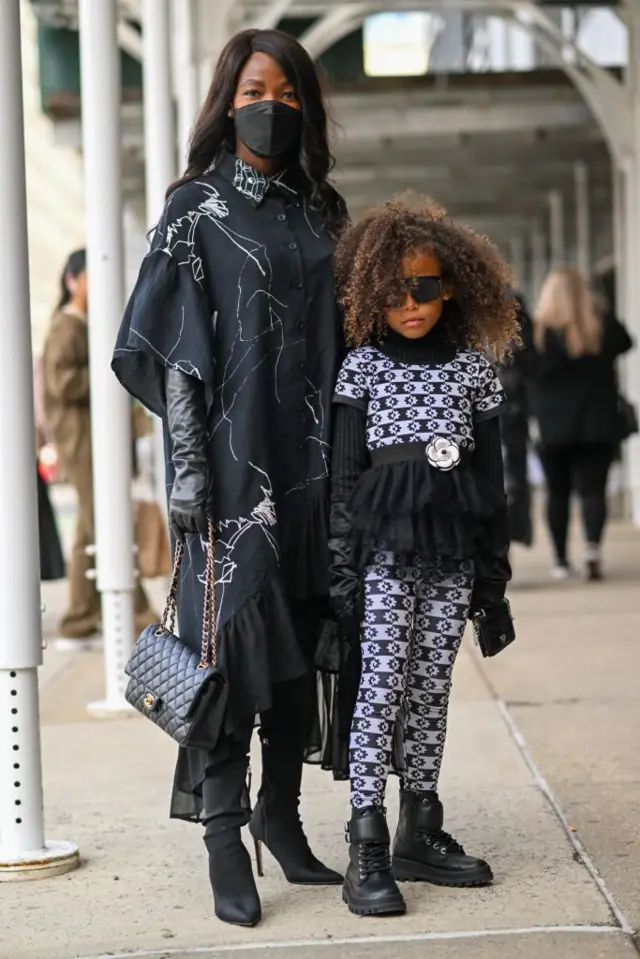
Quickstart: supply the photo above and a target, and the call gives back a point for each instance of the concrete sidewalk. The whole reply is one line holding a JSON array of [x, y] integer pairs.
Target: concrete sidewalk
[[549, 730]]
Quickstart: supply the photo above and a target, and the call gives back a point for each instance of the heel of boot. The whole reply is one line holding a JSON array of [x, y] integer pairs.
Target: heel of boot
[[259, 859]]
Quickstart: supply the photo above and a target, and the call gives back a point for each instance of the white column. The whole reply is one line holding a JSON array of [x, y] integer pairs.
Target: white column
[[583, 219], [110, 410], [187, 73], [160, 152], [619, 230], [630, 366], [216, 27], [556, 229], [517, 256], [24, 854], [539, 261]]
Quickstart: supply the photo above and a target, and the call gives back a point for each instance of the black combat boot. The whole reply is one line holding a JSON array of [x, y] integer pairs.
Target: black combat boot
[[369, 887], [422, 850], [276, 817], [235, 895]]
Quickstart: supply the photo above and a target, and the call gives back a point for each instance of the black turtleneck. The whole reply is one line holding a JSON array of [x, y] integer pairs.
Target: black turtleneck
[[430, 350]]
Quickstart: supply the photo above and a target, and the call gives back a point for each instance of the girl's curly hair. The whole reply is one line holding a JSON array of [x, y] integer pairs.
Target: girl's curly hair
[[369, 275]]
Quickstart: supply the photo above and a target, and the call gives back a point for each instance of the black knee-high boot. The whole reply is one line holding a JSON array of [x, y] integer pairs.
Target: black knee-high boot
[[235, 895], [422, 850], [276, 818]]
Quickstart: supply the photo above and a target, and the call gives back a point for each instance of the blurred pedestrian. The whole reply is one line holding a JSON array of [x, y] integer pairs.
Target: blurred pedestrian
[[419, 530], [52, 565], [571, 350], [232, 334], [514, 426], [67, 404]]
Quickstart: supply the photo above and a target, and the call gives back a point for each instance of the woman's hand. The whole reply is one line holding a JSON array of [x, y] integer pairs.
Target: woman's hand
[[188, 518]]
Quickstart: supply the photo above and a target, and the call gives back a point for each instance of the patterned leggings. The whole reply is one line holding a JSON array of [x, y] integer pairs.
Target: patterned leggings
[[413, 625]]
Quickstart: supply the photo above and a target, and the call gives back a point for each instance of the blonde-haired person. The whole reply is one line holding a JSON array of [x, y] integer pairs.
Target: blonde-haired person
[[573, 345]]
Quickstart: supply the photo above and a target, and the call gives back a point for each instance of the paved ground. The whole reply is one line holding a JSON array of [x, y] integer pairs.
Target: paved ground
[[542, 776]]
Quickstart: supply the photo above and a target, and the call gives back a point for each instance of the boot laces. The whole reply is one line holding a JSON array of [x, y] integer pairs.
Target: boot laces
[[373, 857], [443, 842]]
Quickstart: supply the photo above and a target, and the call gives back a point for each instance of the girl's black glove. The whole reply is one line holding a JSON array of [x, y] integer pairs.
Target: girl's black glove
[[345, 584], [486, 594], [345, 588], [492, 575], [190, 503]]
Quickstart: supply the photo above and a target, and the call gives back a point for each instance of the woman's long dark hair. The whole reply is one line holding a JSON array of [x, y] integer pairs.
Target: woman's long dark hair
[[214, 128], [75, 265]]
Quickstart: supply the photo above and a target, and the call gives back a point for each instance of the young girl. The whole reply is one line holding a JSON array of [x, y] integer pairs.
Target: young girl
[[418, 517]]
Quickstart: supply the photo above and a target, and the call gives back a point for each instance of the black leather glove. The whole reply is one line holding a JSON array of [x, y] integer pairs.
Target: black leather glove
[[190, 503], [490, 584], [345, 585]]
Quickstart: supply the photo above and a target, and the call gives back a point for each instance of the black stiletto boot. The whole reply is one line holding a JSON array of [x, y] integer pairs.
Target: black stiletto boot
[[423, 851], [369, 887], [276, 819], [235, 895]]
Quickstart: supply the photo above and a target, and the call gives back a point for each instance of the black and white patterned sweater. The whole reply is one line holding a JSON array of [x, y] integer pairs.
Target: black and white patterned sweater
[[417, 458]]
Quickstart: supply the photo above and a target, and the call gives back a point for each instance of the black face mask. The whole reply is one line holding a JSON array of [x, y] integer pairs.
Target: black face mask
[[269, 128]]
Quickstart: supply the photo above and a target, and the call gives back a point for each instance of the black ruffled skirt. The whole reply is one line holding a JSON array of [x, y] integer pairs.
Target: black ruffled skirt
[[411, 507]]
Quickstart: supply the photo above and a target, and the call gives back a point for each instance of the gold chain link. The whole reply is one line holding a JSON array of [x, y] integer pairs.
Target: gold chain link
[[209, 648]]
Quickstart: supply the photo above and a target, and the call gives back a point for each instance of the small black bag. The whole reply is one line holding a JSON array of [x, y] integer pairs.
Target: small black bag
[[493, 628], [182, 693]]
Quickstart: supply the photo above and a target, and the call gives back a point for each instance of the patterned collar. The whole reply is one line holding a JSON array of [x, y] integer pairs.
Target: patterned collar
[[250, 182]]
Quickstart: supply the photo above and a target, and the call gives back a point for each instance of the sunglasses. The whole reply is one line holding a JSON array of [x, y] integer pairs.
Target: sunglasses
[[423, 289]]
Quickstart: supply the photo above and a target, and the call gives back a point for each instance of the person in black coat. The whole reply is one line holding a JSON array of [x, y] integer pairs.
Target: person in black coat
[[514, 428], [569, 358], [232, 334]]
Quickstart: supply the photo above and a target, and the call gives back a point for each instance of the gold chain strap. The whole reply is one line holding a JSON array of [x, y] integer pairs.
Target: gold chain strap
[[209, 648]]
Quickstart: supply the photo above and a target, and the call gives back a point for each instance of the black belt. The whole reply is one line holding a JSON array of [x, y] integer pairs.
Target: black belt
[[400, 452]]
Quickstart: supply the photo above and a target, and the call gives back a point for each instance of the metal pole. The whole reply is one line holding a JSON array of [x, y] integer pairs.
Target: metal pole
[[583, 219], [187, 73], [619, 230], [24, 854], [539, 260], [110, 412], [556, 212], [160, 153], [517, 256]]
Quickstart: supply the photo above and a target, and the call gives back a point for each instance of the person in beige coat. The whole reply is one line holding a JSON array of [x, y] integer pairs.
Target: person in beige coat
[[67, 403]]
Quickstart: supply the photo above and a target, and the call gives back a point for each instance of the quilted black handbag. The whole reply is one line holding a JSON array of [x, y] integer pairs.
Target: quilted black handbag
[[493, 628], [182, 693]]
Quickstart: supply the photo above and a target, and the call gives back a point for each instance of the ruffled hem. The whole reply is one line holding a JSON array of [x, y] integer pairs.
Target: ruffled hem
[[410, 507], [264, 644]]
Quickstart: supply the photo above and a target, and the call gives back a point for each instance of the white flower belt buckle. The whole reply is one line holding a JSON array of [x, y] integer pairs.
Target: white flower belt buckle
[[443, 454]]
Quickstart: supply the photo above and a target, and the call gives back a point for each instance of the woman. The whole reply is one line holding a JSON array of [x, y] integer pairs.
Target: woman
[[232, 335], [52, 564], [574, 396], [65, 365]]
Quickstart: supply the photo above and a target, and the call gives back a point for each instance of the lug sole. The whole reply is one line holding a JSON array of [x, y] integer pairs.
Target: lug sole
[[406, 871], [388, 907]]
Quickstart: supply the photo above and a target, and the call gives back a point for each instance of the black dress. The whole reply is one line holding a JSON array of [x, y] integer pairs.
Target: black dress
[[238, 292]]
